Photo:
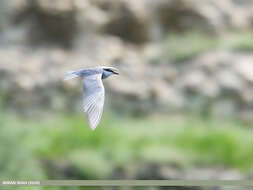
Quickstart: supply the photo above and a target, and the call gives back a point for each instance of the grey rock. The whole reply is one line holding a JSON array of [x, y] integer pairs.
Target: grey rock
[[245, 69]]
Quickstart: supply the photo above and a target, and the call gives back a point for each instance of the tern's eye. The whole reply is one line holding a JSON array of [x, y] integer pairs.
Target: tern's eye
[[109, 70]]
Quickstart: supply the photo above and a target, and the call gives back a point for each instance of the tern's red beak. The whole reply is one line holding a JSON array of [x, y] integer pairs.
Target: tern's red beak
[[116, 73]]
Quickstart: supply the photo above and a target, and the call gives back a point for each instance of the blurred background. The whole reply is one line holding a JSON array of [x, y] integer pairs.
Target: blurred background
[[181, 107]]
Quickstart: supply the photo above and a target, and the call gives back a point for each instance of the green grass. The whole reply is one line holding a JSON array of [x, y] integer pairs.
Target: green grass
[[240, 41], [124, 141], [184, 46], [119, 142]]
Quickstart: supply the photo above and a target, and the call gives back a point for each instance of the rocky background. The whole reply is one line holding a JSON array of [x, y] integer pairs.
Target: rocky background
[[174, 57], [213, 70]]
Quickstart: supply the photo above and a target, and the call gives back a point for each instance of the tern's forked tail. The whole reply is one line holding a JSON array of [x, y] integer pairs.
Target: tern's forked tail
[[71, 75]]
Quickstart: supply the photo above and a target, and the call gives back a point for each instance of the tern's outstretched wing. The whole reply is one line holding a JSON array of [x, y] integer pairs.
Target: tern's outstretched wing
[[93, 99]]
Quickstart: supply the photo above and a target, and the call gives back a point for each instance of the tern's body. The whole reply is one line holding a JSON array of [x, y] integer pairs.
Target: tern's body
[[93, 91]]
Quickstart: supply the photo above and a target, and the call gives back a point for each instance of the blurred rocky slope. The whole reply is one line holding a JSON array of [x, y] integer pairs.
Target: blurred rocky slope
[[41, 39]]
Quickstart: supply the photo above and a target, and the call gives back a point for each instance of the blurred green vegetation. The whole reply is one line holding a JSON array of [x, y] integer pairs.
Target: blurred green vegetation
[[119, 142], [238, 41], [15, 154], [180, 47], [183, 46], [166, 140]]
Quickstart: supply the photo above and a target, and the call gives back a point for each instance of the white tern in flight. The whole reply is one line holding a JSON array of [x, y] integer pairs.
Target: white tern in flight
[[93, 91]]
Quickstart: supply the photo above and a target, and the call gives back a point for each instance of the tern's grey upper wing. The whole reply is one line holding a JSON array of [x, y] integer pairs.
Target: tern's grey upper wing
[[93, 97]]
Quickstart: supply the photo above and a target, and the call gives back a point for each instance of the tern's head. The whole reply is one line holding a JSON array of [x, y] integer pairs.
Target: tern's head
[[108, 71]]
